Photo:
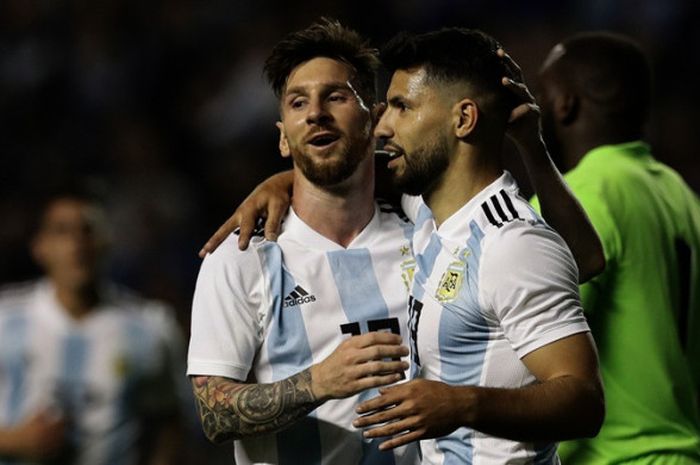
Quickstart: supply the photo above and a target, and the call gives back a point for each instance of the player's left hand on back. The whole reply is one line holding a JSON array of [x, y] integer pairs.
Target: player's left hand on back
[[418, 409]]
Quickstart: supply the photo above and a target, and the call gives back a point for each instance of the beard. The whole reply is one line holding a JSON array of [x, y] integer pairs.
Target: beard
[[422, 168], [334, 168]]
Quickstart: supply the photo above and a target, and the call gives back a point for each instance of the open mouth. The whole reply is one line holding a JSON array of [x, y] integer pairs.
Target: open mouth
[[388, 153], [323, 140]]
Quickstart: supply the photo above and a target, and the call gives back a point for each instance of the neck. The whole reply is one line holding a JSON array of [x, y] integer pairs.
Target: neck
[[339, 213], [77, 302], [584, 138], [469, 172]]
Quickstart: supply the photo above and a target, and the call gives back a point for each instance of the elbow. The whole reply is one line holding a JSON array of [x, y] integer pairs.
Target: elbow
[[219, 437], [595, 265], [593, 413]]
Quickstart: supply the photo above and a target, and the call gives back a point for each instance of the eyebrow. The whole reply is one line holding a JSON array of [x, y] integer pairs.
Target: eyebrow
[[396, 100], [335, 85]]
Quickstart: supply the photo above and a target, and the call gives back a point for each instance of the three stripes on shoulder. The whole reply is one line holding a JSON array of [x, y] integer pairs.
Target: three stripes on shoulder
[[499, 209]]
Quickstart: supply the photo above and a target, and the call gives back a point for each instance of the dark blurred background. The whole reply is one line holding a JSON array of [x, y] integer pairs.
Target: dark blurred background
[[163, 105]]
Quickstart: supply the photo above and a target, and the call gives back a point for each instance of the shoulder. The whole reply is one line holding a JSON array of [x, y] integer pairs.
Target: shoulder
[[503, 208], [229, 259], [18, 296], [522, 252]]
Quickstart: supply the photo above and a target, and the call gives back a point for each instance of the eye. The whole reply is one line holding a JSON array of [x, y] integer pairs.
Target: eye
[[337, 97], [297, 103]]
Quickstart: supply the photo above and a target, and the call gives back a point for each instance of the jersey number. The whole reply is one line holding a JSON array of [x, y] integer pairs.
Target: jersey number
[[392, 324], [414, 310]]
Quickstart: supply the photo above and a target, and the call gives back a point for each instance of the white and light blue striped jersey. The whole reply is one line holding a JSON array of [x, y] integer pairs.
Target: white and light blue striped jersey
[[492, 284], [106, 373], [270, 311]]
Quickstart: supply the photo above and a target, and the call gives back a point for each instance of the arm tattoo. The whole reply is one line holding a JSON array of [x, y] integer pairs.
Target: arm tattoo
[[232, 410]]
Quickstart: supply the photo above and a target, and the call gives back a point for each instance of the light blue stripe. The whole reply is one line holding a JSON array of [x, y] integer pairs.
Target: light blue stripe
[[463, 338], [73, 384], [425, 262], [362, 300], [137, 351], [14, 346], [424, 214], [289, 352]]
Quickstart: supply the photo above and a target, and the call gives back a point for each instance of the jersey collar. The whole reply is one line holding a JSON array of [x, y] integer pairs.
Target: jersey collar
[[294, 228]]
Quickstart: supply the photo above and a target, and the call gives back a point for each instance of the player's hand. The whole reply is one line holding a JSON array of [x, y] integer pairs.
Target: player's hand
[[41, 436], [359, 363], [418, 409], [524, 126], [269, 200]]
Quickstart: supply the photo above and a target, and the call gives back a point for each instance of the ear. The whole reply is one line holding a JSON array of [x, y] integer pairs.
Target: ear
[[283, 143], [566, 107], [466, 115]]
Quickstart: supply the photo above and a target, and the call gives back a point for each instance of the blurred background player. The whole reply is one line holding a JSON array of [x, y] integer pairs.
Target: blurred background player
[[88, 371], [644, 308]]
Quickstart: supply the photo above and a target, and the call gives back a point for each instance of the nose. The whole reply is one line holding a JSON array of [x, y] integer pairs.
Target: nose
[[383, 129], [317, 113]]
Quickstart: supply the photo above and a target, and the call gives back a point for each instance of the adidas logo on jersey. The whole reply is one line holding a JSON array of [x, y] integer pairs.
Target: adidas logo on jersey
[[297, 297]]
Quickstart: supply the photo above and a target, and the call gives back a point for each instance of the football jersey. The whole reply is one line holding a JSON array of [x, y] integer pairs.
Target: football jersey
[[644, 309], [105, 373], [273, 310], [492, 284]]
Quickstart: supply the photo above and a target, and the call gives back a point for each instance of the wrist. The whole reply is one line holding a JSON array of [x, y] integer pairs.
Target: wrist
[[465, 400], [533, 147], [319, 392]]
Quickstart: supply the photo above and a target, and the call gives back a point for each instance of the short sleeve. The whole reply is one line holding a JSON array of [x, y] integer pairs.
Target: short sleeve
[[228, 299], [528, 280]]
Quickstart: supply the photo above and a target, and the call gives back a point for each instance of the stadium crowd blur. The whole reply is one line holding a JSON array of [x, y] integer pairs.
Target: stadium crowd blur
[[163, 106]]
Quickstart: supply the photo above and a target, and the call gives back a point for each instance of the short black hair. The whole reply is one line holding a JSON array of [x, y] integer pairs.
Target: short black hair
[[612, 71], [325, 38], [453, 55], [87, 191]]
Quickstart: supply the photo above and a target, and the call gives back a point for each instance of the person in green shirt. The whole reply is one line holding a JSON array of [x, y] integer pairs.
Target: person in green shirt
[[644, 308]]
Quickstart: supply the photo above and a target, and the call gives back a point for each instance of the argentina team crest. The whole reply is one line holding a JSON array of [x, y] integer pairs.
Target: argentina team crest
[[408, 267], [452, 279]]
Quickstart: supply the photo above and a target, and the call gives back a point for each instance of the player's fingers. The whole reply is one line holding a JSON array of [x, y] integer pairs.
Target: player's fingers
[[370, 382], [218, 237], [275, 213], [510, 64], [392, 428], [382, 368], [381, 351], [401, 440], [519, 89], [379, 417], [388, 398], [374, 338]]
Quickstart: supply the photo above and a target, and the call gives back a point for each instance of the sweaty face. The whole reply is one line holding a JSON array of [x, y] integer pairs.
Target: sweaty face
[[69, 242], [415, 128], [325, 127]]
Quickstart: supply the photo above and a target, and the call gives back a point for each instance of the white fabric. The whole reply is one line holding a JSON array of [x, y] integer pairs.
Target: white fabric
[[105, 373], [488, 291], [269, 312]]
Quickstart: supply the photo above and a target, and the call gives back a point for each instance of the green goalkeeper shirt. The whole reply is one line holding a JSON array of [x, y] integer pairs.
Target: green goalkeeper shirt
[[644, 309]]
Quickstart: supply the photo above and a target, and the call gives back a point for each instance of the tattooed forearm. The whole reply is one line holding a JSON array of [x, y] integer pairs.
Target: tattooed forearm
[[232, 410]]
